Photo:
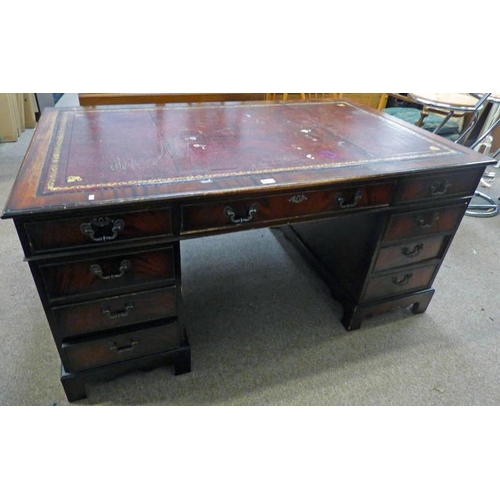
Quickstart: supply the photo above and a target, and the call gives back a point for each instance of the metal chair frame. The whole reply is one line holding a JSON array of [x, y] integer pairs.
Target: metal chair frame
[[452, 109]]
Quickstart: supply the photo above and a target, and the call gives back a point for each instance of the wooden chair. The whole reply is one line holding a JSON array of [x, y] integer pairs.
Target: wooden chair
[[277, 97], [452, 104], [376, 101], [321, 96]]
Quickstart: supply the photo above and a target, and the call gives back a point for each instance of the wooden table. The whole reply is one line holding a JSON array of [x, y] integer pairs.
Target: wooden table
[[106, 194]]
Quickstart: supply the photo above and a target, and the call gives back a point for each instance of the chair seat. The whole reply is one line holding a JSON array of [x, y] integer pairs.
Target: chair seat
[[461, 102], [412, 115]]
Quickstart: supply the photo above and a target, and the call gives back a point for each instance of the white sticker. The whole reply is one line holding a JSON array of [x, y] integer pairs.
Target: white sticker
[[91, 196], [268, 181]]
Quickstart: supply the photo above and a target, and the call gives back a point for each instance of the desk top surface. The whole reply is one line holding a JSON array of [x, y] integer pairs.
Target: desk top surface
[[83, 157]]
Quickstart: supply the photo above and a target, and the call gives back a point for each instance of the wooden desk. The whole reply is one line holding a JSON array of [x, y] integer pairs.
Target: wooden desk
[[106, 194]]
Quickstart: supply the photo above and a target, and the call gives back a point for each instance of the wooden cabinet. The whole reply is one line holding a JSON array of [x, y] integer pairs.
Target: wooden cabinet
[[105, 99], [386, 260], [17, 112], [110, 288]]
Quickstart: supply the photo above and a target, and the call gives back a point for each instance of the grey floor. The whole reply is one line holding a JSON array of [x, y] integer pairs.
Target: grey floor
[[264, 330]]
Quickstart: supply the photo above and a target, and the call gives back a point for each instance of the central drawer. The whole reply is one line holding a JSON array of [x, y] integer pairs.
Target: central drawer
[[283, 207], [123, 347], [108, 274], [115, 312]]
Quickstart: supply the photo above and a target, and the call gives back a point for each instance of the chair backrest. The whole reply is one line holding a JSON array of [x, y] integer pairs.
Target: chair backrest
[[321, 96], [376, 101], [277, 97], [453, 104]]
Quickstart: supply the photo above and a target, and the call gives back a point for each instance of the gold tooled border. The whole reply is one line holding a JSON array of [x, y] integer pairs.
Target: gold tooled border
[[435, 149]]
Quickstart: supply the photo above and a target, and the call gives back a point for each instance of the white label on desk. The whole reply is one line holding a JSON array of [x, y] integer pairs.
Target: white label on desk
[[268, 181], [91, 197]]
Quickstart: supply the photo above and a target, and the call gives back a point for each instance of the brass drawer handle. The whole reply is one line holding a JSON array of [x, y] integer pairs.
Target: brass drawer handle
[[118, 314], [412, 253], [229, 213], [440, 188], [424, 224], [403, 281], [113, 346], [298, 198], [96, 270], [107, 228], [340, 201]]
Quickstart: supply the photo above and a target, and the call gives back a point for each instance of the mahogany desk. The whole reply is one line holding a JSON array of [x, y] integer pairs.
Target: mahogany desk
[[105, 195]]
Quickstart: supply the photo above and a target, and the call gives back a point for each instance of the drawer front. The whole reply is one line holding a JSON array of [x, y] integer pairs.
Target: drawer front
[[100, 274], [115, 348], [400, 282], [409, 253], [433, 187], [97, 230], [425, 222], [115, 312], [232, 213]]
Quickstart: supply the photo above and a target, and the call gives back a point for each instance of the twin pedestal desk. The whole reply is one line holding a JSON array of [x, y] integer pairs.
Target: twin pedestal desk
[[105, 195]]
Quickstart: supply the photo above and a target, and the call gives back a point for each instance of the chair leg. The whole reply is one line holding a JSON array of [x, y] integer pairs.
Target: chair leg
[[423, 115]]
